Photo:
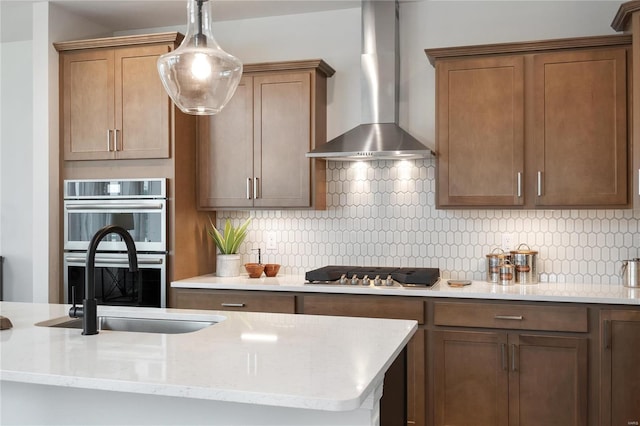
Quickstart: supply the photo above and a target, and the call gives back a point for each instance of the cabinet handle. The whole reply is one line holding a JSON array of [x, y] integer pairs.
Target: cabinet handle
[[539, 183], [606, 334], [115, 139], [513, 357], [256, 188], [233, 305], [509, 317], [109, 140], [503, 354], [248, 188], [519, 177], [638, 181]]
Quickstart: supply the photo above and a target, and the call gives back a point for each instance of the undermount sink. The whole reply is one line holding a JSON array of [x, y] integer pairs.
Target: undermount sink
[[139, 325]]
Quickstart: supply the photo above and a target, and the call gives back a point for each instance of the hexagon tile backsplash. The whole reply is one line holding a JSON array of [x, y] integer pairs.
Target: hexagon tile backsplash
[[382, 213]]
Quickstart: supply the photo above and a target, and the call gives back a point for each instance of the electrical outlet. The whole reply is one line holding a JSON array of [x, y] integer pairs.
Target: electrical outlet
[[271, 241], [507, 242]]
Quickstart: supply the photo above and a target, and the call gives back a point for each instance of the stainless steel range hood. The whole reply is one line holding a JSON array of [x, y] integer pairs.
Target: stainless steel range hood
[[379, 137]]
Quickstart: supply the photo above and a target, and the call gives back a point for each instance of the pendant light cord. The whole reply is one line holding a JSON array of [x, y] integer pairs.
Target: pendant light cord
[[200, 38]]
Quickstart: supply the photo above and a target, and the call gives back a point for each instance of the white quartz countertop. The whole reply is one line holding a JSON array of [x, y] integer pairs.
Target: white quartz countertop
[[304, 361], [543, 292]]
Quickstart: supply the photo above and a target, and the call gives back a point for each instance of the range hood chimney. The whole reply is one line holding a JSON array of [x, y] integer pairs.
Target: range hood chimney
[[379, 137]]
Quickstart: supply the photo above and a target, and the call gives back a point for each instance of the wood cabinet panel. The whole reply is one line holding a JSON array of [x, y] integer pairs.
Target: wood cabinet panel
[[548, 382], [252, 154], [234, 301], [87, 104], [580, 127], [142, 104], [620, 375], [531, 125], [225, 152], [480, 131], [470, 379], [371, 306], [113, 103], [517, 316], [282, 111]]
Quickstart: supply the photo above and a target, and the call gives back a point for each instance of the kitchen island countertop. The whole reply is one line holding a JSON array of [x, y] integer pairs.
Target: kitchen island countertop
[[543, 292], [294, 361]]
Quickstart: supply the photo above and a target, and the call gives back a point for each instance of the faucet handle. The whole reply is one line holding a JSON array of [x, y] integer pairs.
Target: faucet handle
[[75, 311]]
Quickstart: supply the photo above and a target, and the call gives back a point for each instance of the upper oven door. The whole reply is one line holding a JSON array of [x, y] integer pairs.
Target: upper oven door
[[145, 220]]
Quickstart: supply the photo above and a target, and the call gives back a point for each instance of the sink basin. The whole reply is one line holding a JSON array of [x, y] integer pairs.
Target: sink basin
[[139, 325]]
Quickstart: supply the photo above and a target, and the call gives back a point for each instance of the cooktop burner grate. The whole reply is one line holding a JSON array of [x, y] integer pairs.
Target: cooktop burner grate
[[405, 276]]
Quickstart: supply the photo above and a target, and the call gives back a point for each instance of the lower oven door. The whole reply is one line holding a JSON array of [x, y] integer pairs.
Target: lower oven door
[[114, 284]]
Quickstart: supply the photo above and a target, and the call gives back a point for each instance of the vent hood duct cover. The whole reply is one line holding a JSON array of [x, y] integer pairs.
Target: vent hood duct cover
[[380, 137]]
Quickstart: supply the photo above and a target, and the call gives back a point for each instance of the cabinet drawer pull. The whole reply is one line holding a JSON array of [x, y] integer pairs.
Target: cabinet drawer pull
[[115, 139], [248, 188], [539, 184], [109, 140], [256, 188], [509, 317], [233, 305]]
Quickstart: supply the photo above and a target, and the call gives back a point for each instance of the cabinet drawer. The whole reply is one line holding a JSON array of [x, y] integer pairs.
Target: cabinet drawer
[[519, 317], [235, 301], [363, 306]]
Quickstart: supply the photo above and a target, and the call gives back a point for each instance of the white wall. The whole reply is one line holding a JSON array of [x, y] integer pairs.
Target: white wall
[[16, 170], [29, 175]]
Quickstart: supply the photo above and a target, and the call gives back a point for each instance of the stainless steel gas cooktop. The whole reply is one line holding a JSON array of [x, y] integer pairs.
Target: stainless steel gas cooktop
[[373, 276]]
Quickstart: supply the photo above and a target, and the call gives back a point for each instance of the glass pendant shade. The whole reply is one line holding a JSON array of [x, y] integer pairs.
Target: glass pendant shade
[[199, 76]]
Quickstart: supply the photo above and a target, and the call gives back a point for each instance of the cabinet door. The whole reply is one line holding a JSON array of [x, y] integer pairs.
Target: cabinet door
[[225, 152], [283, 136], [470, 378], [620, 387], [142, 125], [480, 132], [548, 380], [580, 128], [87, 104]]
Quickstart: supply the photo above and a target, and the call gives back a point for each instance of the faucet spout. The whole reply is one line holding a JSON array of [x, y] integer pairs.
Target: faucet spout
[[89, 310]]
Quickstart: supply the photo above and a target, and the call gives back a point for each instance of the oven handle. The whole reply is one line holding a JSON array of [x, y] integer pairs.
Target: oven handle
[[139, 206], [123, 261]]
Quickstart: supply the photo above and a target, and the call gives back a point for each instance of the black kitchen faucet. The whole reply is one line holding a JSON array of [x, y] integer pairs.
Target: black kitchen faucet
[[89, 310]]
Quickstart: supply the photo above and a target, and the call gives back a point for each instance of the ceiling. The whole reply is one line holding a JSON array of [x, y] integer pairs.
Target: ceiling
[[137, 14]]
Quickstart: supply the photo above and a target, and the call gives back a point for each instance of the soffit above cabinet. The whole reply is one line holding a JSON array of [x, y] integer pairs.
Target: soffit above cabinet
[[527, 47]]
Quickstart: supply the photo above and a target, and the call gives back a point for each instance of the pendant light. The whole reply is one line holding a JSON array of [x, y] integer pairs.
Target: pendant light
[[199, 76]]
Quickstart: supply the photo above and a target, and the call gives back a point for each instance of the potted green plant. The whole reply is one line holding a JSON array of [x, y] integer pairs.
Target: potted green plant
[[228, 241]]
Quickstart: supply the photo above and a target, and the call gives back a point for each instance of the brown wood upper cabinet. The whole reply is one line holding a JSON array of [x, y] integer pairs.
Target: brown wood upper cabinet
[[533, 125], [252, 154], [112, 100]]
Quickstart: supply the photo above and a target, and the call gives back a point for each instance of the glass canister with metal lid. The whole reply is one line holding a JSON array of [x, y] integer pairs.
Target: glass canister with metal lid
[[525, 261], [494, 259]]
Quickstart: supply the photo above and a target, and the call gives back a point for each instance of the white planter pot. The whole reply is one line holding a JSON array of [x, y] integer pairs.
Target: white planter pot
[[228, 265]]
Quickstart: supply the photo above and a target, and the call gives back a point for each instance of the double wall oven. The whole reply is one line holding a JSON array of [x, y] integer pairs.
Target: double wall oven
[[140, 207]]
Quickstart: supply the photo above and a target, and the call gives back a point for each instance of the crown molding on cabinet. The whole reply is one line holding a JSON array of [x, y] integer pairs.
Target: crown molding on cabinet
[[318, 64], [621, 22], [168, 37], [528, 47]]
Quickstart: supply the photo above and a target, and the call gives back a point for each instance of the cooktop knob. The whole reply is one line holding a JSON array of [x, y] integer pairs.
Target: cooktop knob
[[388, 281], [343, 279], [365, 280], [355, 280], [377, 280]]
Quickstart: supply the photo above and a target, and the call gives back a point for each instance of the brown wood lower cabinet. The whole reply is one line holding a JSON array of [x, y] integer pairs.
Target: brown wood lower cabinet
[[507, 377], [226, 300], [620, 363]]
